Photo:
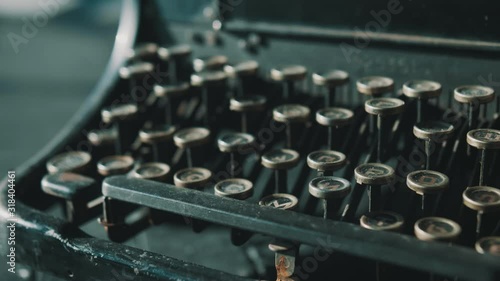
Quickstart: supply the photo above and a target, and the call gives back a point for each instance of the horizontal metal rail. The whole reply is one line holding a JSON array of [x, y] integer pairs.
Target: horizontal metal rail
[[387, 247]]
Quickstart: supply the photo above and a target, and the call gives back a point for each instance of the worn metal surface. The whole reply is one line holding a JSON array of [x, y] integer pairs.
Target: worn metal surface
[[348, 238]]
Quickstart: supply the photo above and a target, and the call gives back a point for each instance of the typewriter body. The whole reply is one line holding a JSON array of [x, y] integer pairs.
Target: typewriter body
[[227, 100]]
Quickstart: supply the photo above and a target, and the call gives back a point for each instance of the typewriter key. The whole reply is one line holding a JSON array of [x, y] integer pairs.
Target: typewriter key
[[117, 114], [288, 75], [73, 161], [280, 161], [207, 80], [191, 137], [216, 62], [241, 72], [75, 189], [375, 85], [285, 252], [136, 70], [233, 143], [483, 199], [280, 201], [333, 117], [151, 171], [245, 105], [239, 189], [473, 95], [133, 73], [234, 188], [156, 135], [143, 51], [172, 55], [102, 137], [383, 107], [115, 165], [437, 229], [426, 183], [330, 80], [373, 175], [289, 114], [194, 178], [436, 131], [488, 245], [244, 68], [284, 259], [421, 90], [170, 91], [325, 160], [331, 190], [382, 221], [483, 139]]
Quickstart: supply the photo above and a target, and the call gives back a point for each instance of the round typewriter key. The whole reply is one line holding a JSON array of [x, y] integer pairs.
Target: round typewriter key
[[333, 117], [195, 178], [280, 160], [483, 199], [383, 107], [102, 137], [208, 80], [483, 139], [242, 74], [156, 135], [232, 143], [330, 79], [173, 52], [436, 131], [115, 165], [75, 189], [280, 201], [151, 171], [375, 85], [331, 190], [173, 55], [134, 73], [73, 161], [383, 221], [244, 68], [373, 175], [143, 51], [325, 160], [288, 114], [136, 70], [191, 137], [421, 90], [426, 183], [247, 104], [473, 94], [234, 188], [288, 75], [170, 91], [488, 245], [216, 62], [285, 255], [118, 114], [437, 229]]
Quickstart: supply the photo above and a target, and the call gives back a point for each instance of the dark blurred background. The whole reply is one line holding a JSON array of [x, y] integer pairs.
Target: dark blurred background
[[53, 70]]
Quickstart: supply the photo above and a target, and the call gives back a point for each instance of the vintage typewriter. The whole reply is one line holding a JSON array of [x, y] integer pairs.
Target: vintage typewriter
[[277, 140]]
